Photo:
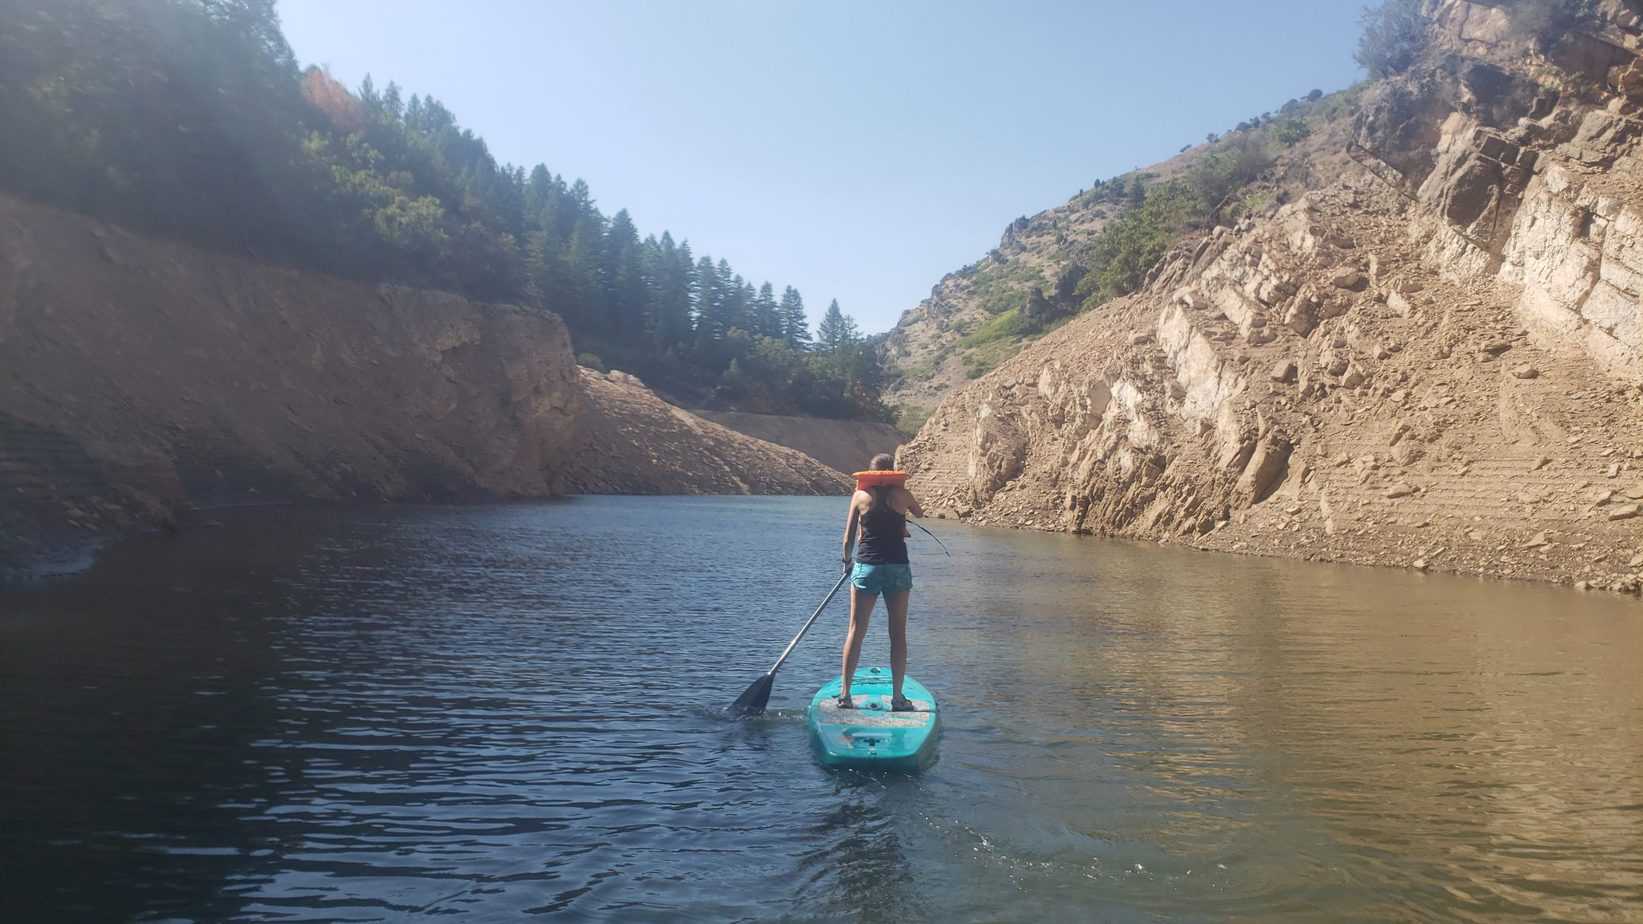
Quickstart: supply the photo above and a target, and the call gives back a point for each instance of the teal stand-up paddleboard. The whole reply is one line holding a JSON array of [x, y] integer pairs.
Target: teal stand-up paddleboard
[[871, 736]]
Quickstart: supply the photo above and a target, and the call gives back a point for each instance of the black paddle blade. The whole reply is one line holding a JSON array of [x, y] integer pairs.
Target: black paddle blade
[[754, 698]]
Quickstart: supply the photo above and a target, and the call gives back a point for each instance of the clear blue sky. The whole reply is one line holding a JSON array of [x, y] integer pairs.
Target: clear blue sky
[[857, 150]]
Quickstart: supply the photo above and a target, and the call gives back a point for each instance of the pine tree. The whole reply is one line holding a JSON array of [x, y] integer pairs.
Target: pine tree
[[747, 299], [767, 321], [730, 297], [392, 105], [795, 326], [837, 330], [368, 94], [681, 283], [668, 309], [581, 291], [708, 302], [623, 277]]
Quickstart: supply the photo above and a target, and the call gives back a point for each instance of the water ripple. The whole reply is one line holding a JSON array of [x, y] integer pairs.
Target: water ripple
[[515, 710]]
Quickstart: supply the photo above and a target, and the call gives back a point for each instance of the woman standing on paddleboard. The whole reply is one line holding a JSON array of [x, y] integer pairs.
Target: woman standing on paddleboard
[[879, 567]]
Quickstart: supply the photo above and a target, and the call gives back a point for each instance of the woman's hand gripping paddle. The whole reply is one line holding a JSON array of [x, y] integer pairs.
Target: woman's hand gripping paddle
[[756, 697]]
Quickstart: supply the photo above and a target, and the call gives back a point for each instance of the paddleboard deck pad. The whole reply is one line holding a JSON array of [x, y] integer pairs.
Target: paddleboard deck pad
[[871, 736]]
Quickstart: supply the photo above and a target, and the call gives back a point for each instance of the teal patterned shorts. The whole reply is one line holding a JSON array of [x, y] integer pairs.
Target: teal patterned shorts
[[882, 579]]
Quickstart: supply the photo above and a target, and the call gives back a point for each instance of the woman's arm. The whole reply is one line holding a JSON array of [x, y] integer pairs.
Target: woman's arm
[[850, 521], [912, 503]]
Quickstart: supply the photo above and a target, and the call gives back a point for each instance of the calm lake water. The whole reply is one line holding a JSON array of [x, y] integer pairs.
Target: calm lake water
[[509, 710]]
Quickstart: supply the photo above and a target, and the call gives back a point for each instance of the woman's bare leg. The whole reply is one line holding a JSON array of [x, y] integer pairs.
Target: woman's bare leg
[[861, 610], [896, 605]]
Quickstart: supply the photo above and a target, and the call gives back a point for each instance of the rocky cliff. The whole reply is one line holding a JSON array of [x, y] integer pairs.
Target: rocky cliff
[[844, 445], [1434, 359], [140, 378], [632, 442]]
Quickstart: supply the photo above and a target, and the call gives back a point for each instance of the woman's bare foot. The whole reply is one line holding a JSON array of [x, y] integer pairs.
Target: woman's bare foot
[[845, 702], [902, 704]]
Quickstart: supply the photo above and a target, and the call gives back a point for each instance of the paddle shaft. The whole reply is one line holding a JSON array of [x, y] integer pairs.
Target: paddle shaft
[[808, 623], [933, 536]]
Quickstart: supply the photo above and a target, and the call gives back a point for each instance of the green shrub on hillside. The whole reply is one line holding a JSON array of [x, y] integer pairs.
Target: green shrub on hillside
[[1121, 255], [1119, 258], [922, 372], [1292, 132], [1394, 35], [999, 287], [591, 361], [1008, 325], [976, 366]]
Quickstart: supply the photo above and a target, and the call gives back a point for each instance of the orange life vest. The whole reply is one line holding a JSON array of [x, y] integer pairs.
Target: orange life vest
[[865, 480]]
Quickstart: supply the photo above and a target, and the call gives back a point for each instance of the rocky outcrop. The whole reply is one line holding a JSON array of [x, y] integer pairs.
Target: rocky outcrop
[[632, 442], [845, 445], [1431, 358], [139, 377]]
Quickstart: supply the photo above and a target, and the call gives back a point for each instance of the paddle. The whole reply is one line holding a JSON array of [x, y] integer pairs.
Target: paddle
[[933, 536], [756, 697]]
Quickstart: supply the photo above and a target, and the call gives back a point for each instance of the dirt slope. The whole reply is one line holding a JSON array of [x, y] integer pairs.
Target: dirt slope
[[1434, 360], [845, 445], [632, 442]]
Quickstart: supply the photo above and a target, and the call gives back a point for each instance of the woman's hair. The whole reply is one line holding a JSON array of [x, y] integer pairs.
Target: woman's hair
[[883, 462]]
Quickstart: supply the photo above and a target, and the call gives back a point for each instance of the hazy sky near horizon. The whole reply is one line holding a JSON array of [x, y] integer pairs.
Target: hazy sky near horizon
[[855, 150]]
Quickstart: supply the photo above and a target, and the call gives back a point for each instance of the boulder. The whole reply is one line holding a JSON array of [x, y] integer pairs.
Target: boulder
[[997, 453], [1301, 316], [1266, 468], [1284, 371], [1350, 280], [1333, 362]]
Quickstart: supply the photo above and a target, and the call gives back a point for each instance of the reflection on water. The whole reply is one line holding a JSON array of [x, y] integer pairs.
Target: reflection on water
[[507, 710]]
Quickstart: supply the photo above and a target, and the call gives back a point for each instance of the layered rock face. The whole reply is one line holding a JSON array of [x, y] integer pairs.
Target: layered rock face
[[1435, 359], [138, 376]]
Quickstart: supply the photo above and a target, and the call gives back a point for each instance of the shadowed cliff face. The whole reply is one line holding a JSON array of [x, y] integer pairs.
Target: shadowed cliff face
[[1431, 358], [137, 376]]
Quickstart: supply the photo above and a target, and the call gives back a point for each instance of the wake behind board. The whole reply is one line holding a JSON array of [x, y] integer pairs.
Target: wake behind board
[[871, 736]]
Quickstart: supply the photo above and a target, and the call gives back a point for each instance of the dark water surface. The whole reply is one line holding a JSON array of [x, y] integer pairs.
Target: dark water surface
[[507, 710]]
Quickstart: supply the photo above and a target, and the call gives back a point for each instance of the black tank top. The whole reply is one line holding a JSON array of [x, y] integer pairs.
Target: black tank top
[[882, 534]]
